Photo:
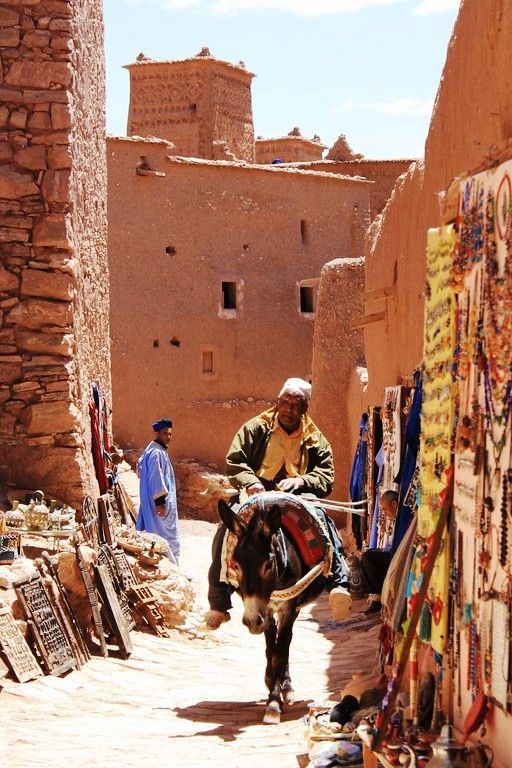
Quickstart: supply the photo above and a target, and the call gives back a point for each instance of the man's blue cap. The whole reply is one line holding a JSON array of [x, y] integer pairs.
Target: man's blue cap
[[162, 424]]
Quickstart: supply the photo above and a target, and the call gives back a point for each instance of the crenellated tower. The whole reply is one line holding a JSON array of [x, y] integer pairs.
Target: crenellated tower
[[202, 104]]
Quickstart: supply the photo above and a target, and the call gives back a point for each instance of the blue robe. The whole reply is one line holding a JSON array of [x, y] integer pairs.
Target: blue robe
[[157, 479]]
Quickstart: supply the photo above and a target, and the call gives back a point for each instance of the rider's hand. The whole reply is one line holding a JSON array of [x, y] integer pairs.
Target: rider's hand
[[160, 509], [291, 484], [254, 488]]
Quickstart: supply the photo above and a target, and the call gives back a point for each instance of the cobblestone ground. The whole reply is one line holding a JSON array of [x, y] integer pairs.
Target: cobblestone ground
[[187, 700]]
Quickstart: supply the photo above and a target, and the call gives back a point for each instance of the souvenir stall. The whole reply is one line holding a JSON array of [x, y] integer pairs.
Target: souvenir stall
[[481, 578], [459, 591], [75, 582]]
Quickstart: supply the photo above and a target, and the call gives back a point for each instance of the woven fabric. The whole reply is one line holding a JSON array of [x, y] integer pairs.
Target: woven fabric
[[299, 519]]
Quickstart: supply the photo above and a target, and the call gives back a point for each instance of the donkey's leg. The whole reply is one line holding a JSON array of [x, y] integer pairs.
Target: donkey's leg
[[287, 691], [270, 641], [279, 663], [274, 705]]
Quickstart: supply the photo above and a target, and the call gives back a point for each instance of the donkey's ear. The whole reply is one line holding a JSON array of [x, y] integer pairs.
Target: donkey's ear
[[272, 520], [230, 519]]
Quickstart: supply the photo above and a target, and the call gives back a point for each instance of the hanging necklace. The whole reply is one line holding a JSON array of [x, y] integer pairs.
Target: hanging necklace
[[496, 354], [506, 490]]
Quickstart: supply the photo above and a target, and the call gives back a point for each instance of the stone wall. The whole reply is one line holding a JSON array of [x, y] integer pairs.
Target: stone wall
[[194, 103], [176, 234], [53, 272]]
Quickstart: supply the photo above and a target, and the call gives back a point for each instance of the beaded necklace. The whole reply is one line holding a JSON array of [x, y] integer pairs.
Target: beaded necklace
[[506, 497], [497, 350], [470, 248]]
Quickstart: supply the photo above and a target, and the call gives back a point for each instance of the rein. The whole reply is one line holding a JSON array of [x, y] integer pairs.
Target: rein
[[323, 568]]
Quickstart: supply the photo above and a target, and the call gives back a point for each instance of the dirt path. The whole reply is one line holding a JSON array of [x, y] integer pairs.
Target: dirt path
[[183, 701]]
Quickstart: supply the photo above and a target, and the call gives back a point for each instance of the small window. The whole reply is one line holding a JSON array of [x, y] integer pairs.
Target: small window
[[228, 295], [304, 231], [208, 361], [307, 299]]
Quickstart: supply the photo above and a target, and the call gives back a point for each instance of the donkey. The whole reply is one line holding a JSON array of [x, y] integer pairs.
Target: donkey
[[265, 561]]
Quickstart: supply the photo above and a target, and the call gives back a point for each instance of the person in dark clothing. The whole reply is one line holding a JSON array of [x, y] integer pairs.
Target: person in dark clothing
[[375, 562], [281, 449]]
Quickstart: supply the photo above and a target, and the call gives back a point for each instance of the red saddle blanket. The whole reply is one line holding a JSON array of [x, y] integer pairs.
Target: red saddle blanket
[[299, 519]]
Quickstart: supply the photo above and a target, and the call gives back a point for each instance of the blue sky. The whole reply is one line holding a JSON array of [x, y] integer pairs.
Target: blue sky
[[367, 68]]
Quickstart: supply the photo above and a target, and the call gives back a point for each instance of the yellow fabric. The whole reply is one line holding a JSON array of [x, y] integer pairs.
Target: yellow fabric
[[437, 414], [284, 449]]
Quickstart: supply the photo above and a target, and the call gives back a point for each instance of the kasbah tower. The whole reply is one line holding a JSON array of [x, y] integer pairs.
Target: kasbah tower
[[216, 245]]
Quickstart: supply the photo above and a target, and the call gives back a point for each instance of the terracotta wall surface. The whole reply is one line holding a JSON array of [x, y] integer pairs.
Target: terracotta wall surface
[[394, 284], [337, 353], [53, 271], [289, 149], [195, 103], [383, 174], [173, 241]]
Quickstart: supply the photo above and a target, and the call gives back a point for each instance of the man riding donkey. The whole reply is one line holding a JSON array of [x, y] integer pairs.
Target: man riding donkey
[[281, 449]]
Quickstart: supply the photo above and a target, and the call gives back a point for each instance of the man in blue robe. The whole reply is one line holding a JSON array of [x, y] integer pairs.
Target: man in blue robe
[[158, 511]]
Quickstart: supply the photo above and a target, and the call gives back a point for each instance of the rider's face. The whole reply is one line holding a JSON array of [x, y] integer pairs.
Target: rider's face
[[289, 411]]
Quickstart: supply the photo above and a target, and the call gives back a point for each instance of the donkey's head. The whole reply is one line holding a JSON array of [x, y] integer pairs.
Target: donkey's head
[[255, 561]]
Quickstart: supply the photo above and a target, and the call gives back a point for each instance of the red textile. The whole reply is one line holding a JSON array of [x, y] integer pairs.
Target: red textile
[[97, 452]]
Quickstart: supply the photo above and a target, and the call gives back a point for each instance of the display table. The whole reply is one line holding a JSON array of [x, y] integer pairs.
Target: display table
[[57, 534]]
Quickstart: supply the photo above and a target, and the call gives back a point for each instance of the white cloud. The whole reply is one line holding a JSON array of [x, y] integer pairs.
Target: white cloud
[[399, 106], [428, 7], [298, 7], [179, 4], [346, 106]]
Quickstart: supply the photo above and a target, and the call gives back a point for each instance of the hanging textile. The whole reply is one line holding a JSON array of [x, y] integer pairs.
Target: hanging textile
[[391, 437], [358, 478], [374, 531], [437, 416], [100, 444], [374, 443], [391, 455], [407, 496]]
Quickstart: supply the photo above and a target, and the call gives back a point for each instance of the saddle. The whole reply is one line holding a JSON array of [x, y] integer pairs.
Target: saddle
[[299, 519]]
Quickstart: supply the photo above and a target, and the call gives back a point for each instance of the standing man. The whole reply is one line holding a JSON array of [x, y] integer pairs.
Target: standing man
[[158, 511], [281, 449]]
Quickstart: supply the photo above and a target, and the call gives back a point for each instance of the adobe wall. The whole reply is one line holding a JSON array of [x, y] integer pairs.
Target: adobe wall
[[337, 354], [395, 285], [383, 173], [262, 228], [195, 103], [53, 274], [289, 149]]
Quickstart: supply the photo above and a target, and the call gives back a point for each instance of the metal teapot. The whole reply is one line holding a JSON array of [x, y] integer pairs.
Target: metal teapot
[[448, 753]]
